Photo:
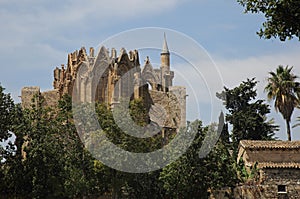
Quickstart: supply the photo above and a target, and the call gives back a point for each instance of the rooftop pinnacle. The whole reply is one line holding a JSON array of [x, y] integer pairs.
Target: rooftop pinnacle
[[165, 49]]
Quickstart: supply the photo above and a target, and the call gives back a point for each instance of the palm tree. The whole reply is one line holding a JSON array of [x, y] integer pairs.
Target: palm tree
[[283, 88]]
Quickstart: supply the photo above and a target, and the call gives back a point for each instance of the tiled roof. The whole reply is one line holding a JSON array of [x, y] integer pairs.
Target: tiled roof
[[272, 165], [258, 144]]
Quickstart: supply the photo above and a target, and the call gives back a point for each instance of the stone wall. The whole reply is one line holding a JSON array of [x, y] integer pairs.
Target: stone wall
[[268, 186], [50, 98], [180, 93], [251, 192], [288, 177], [166, 109], [30, 96], [224, 193]]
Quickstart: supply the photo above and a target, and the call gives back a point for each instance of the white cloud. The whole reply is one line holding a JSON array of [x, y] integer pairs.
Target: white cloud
[[37, 35], [38, 15], [32, 28], [28, 22], [234, 71]]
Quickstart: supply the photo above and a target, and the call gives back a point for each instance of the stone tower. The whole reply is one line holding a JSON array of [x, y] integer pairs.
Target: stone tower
[[167, 75], [165, 55]]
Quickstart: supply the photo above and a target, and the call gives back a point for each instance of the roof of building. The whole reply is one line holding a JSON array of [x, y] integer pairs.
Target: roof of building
[[270, 154], [258, 144], [283, 165]]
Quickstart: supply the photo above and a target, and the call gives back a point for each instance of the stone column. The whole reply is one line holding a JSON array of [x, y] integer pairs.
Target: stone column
[[137, 84]]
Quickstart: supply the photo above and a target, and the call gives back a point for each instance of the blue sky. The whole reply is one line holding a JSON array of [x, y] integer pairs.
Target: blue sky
[[36, 37]]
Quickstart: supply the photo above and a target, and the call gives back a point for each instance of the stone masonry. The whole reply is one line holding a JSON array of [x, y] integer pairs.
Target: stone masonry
[[108, 78], [278, 164]]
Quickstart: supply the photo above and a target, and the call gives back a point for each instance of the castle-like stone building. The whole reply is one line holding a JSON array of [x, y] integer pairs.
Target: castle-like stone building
[[108, 78]]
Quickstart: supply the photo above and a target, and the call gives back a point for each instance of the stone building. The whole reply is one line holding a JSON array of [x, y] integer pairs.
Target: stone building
[[278, 166], [108, 78]]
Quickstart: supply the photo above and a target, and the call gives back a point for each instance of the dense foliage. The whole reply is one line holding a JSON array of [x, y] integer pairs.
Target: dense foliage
[[246, 114], [49, 160], [191, 176], [6, 121], [282, 17]]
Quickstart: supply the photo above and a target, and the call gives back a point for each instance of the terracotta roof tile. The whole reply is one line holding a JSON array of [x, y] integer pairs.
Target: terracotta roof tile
[[258, 144], [272, 165]]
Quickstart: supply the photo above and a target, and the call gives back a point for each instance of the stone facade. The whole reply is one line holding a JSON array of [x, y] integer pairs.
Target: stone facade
[[29, 96], [108, 78], [278, 164]]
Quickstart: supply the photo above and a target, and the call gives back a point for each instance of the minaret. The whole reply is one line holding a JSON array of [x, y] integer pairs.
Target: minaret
[[166, 75], [165, 55]]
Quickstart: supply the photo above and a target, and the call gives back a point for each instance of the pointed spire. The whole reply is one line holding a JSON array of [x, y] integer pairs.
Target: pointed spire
[[165, 49]]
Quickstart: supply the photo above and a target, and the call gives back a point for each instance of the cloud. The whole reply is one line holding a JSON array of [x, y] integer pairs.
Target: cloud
[[236, 70], [233, 72], [30, 16], [215, 72], [30, 22], [37, 35]]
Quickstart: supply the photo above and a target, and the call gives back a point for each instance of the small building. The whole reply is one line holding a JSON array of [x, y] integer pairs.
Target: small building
[[278, 169]]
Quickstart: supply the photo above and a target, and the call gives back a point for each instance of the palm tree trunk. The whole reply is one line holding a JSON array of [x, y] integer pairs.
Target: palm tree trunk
[[288, 130]]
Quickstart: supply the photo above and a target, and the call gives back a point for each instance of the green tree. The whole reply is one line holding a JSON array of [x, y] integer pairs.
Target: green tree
[[79, 165], [297, 120], [7, 107], [191, 176], [53, 163], [44, 154], [11, 170], [282, 17], [16, 183], [246, 114], [121, 184], [285, 90]]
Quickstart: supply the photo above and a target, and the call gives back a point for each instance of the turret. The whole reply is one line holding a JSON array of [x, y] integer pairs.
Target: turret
[[165, 55], [166, 75]]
